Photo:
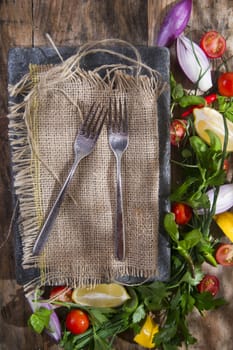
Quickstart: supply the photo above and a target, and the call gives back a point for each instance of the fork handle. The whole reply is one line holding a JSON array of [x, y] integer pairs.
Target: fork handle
[[49, 222], [120, 229]]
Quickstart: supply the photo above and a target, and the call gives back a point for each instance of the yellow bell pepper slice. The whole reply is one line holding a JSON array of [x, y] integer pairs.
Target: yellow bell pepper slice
[[225, 222], [147, 332]]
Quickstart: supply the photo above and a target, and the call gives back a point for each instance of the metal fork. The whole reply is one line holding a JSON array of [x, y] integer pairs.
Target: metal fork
[[83, 145], [118, 141]]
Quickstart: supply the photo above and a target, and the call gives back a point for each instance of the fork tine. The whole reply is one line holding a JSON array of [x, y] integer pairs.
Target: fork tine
[[114, 121], [123, 116], [100, 120], [89, 119]]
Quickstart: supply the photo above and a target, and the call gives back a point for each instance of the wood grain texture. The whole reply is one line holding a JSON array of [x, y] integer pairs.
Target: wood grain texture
[[73, 22], [76, 22]]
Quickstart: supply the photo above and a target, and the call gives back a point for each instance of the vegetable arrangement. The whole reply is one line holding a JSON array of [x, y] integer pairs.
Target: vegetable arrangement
[[200, 223]]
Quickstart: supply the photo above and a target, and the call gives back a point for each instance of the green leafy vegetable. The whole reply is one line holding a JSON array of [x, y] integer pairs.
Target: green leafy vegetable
[[39, 320]]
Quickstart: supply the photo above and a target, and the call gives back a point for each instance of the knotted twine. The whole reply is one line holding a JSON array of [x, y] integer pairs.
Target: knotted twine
[[80, 248]]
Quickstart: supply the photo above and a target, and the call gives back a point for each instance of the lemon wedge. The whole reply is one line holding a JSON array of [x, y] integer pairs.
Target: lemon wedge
[[102, 295], [209, 119]]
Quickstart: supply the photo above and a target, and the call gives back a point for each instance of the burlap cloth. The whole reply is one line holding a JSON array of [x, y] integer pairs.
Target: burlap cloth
[[80, 248]]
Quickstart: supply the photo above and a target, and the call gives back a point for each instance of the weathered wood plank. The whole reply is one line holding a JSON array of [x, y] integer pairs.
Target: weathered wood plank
[[76, 22], [15, 29]]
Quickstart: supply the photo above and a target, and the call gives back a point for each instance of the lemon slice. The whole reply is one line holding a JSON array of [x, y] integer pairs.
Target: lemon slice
[[209, 119], [102, 295]]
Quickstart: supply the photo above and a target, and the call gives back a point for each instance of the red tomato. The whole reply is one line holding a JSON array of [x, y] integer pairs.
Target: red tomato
[[183, 213], [213, 44], [61, 293], [178, 129], [225, 84], [209, 284], [224, 254], [77, 321]]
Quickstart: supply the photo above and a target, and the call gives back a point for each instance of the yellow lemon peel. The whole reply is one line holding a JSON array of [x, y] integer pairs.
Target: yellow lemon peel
[[102, 295], [209, 119]]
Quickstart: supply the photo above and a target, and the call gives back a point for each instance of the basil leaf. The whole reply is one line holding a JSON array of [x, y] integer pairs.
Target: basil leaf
[[39, 320], [191, 100]]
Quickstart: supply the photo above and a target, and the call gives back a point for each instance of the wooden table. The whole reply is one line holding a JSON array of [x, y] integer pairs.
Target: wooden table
[[70, 23]]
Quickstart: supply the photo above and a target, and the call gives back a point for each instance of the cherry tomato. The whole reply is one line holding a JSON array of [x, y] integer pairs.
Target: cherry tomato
[[178, 129], [225, 84], [183, 213], [77, 321], [209, 284], [61, 293], [224, 254], [213, 44]]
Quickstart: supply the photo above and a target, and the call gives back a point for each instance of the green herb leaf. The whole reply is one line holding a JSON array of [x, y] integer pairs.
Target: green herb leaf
[[139, 314], [171, 226], [205, 301], [193, 280], [165, 335], [215, 142], [191, 100], [177, 91], [187, 303], [39, 320], [191, 239]]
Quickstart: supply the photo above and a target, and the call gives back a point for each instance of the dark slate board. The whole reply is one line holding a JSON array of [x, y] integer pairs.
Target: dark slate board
[[155, 57]]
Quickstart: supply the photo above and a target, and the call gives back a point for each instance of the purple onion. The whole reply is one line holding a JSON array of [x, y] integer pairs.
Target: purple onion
[[174, 23], [194, 62], [54, 330], [224, 200]]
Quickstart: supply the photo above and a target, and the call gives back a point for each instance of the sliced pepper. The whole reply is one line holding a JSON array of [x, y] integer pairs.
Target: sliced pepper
[[147, 332], [225, 222]]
